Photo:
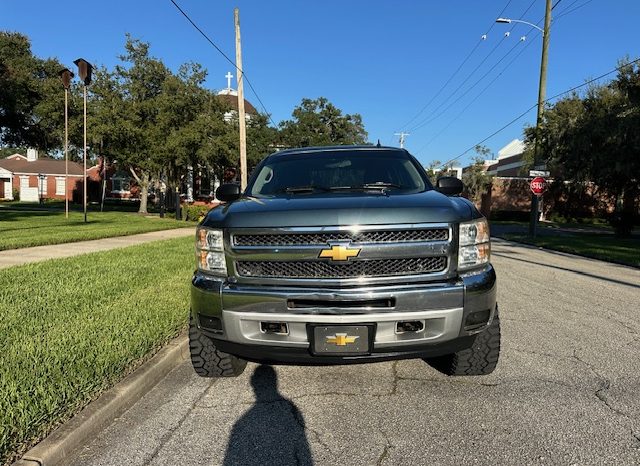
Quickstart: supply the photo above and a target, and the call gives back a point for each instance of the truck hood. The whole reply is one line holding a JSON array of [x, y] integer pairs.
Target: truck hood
[[341, 209]]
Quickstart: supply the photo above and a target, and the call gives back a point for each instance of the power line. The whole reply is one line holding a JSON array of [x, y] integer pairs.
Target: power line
[[240, 72], [567, 11], [481, 78], [464, 61], [591, 81], [567, 7], [492, 81], [462, 112], [430, 118], [424, 123]]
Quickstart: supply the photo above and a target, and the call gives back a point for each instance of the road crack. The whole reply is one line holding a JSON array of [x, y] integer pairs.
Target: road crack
[[396, 379], [388, 446], [167, 436], [603, 389]]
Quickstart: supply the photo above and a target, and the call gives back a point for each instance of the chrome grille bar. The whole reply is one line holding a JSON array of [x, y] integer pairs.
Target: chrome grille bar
[[352, 269], [358, 237]]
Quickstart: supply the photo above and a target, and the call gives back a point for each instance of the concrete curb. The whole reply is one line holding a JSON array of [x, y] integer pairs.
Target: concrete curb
[[86, 425]]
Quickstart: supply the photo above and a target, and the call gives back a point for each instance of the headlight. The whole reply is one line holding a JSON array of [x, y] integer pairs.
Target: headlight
[[475, 248], [210, 251]]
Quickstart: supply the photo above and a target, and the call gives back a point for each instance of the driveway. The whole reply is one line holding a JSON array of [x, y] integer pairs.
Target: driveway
[[566, 391]]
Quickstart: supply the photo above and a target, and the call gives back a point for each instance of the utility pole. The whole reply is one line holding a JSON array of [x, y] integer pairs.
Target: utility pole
[[542, 89], [402, 135], [241, 119]]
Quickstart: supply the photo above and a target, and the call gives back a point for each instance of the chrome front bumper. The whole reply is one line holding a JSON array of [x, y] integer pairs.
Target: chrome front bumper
[[442, 307]]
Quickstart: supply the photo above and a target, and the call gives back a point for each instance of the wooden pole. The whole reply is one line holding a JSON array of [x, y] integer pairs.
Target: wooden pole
[[542, 89], [241, 118]]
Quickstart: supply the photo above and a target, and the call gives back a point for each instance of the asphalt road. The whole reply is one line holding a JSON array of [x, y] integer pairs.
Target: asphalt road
[[566, 391]]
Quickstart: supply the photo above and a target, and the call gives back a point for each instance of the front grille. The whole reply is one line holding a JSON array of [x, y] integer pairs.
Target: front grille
[[353, 269], [319, 239]]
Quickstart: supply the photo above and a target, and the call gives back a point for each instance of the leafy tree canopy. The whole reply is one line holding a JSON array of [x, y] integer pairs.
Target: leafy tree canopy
[[30, 111], [318, 122], [595, 138]]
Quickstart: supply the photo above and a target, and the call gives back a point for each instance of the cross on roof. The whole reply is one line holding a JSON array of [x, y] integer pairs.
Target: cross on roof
[[228, 76]]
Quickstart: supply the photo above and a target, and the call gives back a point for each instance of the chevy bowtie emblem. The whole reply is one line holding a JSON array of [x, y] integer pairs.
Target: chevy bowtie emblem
[[341, 339], [339, 253]]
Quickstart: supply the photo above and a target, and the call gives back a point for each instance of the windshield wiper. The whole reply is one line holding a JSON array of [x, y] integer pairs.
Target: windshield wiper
[[312, 188], [379, 184], [304, 189]]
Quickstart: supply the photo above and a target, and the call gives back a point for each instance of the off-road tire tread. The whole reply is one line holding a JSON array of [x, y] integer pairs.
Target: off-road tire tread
[[207, 360], [480, 359]]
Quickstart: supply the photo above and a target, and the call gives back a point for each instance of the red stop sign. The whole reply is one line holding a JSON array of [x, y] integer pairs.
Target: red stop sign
[[537, 185]]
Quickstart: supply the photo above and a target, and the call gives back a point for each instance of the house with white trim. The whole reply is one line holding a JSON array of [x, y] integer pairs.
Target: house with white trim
[[510, 160], [34, 178]]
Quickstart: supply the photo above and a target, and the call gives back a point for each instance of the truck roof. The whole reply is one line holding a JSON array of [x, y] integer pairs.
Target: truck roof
[[363, 147]]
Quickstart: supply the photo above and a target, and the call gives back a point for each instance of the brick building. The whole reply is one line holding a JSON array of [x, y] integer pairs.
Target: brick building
[[33, 178]]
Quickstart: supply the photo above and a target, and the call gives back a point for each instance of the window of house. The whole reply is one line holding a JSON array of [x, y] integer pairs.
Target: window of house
[[59, 186], [24, 181], [120, 183]]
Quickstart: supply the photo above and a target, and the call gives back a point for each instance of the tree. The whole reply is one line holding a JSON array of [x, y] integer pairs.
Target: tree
[[30, 95], [132, 103], [594, 139], [319, 123], [475, 178]]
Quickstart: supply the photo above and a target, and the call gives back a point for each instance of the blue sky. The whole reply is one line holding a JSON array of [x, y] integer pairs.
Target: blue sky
[[383, 59]]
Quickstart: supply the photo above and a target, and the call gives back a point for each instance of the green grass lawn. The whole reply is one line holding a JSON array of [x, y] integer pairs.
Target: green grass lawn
[[599, 246], [24, 228], [70, 328]]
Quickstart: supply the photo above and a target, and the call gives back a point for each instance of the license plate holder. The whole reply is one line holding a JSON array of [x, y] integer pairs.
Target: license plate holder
[[341, 339]]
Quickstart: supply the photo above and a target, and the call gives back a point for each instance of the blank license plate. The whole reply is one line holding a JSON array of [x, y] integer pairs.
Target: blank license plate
[[341, 339]]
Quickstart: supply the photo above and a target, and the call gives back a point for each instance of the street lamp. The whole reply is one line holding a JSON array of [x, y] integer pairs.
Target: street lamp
[[509, 21], [84, 72], [66, 76], [542, 88]]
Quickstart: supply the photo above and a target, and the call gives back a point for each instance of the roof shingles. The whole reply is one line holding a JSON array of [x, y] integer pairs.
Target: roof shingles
[[41, 166]]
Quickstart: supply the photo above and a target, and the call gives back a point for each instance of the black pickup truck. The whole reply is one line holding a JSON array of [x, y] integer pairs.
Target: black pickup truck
[[337, 255]]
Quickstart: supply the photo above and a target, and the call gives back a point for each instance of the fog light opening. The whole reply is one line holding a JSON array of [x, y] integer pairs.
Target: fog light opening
[[210, 323], [274, 328], [477, 319], [409, 326]]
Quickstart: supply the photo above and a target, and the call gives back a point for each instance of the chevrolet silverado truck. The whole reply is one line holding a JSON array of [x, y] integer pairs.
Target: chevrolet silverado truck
[[337, 255]]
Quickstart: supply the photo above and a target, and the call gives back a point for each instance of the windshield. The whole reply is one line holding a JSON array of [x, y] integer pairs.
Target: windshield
[[386, 171]]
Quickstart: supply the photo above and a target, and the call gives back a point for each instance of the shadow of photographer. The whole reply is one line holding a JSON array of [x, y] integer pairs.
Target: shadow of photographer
[[272, 431]]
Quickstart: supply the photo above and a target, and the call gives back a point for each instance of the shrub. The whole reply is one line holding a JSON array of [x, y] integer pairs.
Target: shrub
[[195, 213]]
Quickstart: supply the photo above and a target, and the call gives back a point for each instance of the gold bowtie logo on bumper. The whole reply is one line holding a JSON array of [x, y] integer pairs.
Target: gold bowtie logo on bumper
[[339, 253], [341, 339]]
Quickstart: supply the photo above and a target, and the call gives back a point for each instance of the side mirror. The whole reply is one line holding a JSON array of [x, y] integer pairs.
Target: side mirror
[[449, 185], [228, 192]]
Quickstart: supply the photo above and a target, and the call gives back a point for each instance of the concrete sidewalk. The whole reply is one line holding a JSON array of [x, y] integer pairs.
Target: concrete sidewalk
[[12, 257]]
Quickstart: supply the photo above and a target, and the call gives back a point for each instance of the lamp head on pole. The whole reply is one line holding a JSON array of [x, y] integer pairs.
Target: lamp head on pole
[[503, 20], [84, 70], [66, 76]]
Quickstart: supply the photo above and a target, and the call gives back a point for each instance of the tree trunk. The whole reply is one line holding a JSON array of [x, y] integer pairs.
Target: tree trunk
[[628, 212], [144, 193]]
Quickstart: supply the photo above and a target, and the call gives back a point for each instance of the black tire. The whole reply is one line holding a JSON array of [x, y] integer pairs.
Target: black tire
[[207, 361], [480, 359]]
